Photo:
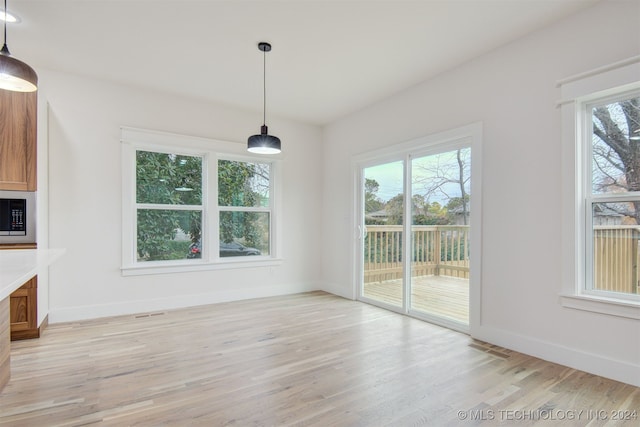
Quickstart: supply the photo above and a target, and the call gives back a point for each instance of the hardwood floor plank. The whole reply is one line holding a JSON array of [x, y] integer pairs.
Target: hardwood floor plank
[[307, 359]]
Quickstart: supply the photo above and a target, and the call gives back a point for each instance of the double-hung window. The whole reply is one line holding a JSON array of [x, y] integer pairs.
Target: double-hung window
[[601, 190], [193, 204], [612, 195], [244, 208], [169, 205]]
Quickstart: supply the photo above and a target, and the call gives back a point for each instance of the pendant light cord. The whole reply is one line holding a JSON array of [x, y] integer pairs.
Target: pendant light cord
[[5, 48], [264, 86], [5, 24]]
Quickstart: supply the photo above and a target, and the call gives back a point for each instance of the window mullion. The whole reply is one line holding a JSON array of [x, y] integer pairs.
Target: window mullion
[[243, 209], [615, 197], [158, 206]]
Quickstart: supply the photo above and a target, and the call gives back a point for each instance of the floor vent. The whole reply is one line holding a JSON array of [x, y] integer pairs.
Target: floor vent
[[491, 349], [140, 316]]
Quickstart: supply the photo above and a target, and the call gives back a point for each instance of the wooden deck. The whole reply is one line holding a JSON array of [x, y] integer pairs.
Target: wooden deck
[[442, 296]]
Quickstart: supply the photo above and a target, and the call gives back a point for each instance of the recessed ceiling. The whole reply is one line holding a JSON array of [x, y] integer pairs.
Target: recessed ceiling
[[329, 58]]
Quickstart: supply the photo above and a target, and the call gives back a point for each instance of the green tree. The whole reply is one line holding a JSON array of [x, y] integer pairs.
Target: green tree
[[243, 184], [171, 179], [430, 214], [395, 209], [163, 178], [371, 201]]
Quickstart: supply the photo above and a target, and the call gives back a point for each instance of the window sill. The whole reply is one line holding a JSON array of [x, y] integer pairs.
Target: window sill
[[597, 304], [159, 267]]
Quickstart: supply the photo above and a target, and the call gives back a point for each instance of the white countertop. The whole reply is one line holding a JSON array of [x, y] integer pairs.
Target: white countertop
[[19, 265]]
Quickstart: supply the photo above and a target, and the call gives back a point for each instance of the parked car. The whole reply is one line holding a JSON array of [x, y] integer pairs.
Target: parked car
[[236, 249], [226, 250], [195, 250]]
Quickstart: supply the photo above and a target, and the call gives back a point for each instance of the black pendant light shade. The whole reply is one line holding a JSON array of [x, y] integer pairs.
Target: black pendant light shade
[[15, 75], [264, 143]]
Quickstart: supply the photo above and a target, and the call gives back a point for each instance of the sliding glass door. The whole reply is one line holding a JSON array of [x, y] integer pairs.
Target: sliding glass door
[[383, 275], [440, 214], [415, 245]]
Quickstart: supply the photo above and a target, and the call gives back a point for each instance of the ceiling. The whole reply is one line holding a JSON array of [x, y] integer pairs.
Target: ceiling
[[330, 58]]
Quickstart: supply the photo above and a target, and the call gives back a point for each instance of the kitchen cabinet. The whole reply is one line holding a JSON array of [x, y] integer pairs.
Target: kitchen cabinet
[[23, 311], [23, 305], [16, 267], [18, 116]]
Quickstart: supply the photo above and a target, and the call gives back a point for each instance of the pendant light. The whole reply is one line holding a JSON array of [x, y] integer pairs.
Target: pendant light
[[264, 143], [15, 75]]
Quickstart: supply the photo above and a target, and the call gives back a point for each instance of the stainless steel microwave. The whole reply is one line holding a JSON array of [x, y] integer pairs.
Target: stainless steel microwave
[[17, 217]]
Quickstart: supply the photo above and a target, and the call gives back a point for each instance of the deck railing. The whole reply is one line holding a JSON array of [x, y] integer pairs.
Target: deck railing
[[443, 250], [439, 250]]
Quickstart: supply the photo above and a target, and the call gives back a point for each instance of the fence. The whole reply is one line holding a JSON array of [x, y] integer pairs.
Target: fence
[[441, 250], [615, 258]]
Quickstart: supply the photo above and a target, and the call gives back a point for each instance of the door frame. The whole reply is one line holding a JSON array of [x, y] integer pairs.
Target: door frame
[[468, 136]]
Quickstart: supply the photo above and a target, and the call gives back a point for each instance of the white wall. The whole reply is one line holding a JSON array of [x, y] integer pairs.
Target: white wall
[[84, 183], [513, 92]]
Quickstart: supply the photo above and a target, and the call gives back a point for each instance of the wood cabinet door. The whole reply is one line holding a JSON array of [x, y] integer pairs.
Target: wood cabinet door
[[18, 111], [23, 311]]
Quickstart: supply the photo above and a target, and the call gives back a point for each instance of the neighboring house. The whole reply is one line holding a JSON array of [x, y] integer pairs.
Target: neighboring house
[[377, 216], [603, 215], [458, 217]]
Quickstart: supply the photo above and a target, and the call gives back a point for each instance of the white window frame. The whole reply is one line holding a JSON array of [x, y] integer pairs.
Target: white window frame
[[578, 92], [133, 140]]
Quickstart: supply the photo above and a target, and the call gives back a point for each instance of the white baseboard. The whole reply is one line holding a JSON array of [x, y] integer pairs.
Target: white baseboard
[[85, 312], [618, 370]]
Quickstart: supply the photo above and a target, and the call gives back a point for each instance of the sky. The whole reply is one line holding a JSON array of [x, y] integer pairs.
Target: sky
[[390, 175]]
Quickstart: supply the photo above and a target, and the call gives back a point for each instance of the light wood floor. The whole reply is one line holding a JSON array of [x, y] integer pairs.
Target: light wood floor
[[438, 295], [310, 359]]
